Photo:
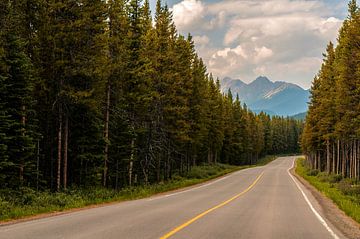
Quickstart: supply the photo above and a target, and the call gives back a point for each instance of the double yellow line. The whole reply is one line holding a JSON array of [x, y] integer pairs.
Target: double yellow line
[[182, 226]]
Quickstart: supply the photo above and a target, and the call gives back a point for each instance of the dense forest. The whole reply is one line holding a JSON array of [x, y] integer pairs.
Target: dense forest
[[331, 136], [97, 93]]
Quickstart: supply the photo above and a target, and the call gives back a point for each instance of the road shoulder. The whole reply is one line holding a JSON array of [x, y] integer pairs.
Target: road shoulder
[[349, 227], [110, 203]]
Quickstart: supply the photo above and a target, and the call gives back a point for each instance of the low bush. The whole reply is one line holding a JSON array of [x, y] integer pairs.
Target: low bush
[[349, 187], [313, 172]]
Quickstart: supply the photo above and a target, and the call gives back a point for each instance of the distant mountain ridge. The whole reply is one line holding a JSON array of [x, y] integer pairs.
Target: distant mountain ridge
[[280, 98], [300, 116]]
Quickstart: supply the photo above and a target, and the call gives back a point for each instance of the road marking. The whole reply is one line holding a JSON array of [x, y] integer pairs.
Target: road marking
[[182, 226], [202, 186], [318, 216]]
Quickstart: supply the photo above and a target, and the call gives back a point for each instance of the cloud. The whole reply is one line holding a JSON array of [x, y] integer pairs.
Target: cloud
[[290, 71], [262, 53], [282, 39], [201, 40], [240, 60], [217, 21], [187, 12], [279, 26], [247, 8], [237, 51]]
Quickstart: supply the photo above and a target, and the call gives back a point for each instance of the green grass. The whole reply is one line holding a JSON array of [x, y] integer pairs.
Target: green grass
[[27, 202], [343, 192]]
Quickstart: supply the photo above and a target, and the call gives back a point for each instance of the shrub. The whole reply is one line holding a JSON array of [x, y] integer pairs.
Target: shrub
[[313, 172], [349, 187], [5, 207], [335, 178]]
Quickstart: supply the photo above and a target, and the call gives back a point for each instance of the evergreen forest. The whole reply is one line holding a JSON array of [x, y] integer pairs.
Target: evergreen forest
[[331, 138], [104, 94]]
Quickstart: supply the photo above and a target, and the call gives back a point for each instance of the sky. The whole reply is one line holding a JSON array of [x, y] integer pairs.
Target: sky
[[242, 39]]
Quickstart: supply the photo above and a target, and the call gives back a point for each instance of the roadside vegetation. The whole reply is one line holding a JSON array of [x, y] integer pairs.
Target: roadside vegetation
[[331, 136], [27, 202], [344, 192], [130, 113], [133, 106]]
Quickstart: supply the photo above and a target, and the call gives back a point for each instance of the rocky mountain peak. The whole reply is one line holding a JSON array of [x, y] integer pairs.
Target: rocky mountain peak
[[262, 94]]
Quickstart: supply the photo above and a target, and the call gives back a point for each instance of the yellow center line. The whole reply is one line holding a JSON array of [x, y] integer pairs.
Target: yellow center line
[[182, 226]]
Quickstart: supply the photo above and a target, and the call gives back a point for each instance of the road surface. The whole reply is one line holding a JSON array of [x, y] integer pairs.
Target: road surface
[[262, 202]]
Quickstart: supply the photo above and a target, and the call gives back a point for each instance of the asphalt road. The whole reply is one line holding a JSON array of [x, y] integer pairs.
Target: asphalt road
[[262, 202]]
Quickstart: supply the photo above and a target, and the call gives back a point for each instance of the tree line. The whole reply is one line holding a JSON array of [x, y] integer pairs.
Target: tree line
[[331, 138], [97, 93]]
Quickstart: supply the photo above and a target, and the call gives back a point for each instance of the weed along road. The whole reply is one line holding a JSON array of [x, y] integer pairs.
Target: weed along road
[[262, 202]]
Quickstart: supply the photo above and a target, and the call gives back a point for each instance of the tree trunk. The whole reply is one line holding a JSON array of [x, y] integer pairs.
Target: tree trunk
[[338, 157], [353, 152], [310, 160], [333, 158], [131, 163], [168, 169], [343, 162], [328, 162], [210, 156], [37, 164], [59, 149], [21, 166], [158, 168], [358, 159], [193, 154], [352, 159], [106, 132], [65, 157], [117, 175]]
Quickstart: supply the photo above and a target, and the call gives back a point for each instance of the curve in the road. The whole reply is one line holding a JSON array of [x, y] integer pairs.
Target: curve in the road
[[269, 206]]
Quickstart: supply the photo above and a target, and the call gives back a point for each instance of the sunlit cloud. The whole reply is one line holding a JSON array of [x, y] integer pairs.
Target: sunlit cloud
[[282, 39]]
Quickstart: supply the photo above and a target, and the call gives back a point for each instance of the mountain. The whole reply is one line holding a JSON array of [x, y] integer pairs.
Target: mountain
[[300, 116], [268, 112], [280, 98]]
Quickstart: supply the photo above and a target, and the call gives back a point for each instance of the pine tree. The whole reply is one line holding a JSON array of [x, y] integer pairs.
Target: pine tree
[[199, 100], [118, 58], [216, 134], [17, 95], [331, 136], [5, 120]]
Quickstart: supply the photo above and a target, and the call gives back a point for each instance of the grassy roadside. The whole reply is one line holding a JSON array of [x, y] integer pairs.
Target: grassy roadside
[[27, 202], [345, 193]]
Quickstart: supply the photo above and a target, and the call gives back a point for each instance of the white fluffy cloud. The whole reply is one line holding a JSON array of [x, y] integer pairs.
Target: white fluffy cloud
[[187, 13], [262, 53], [244, 29], [240, 59], [282, 39]]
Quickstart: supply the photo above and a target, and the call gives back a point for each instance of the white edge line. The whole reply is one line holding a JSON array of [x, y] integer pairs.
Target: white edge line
[[322, 221], [202, 186]]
